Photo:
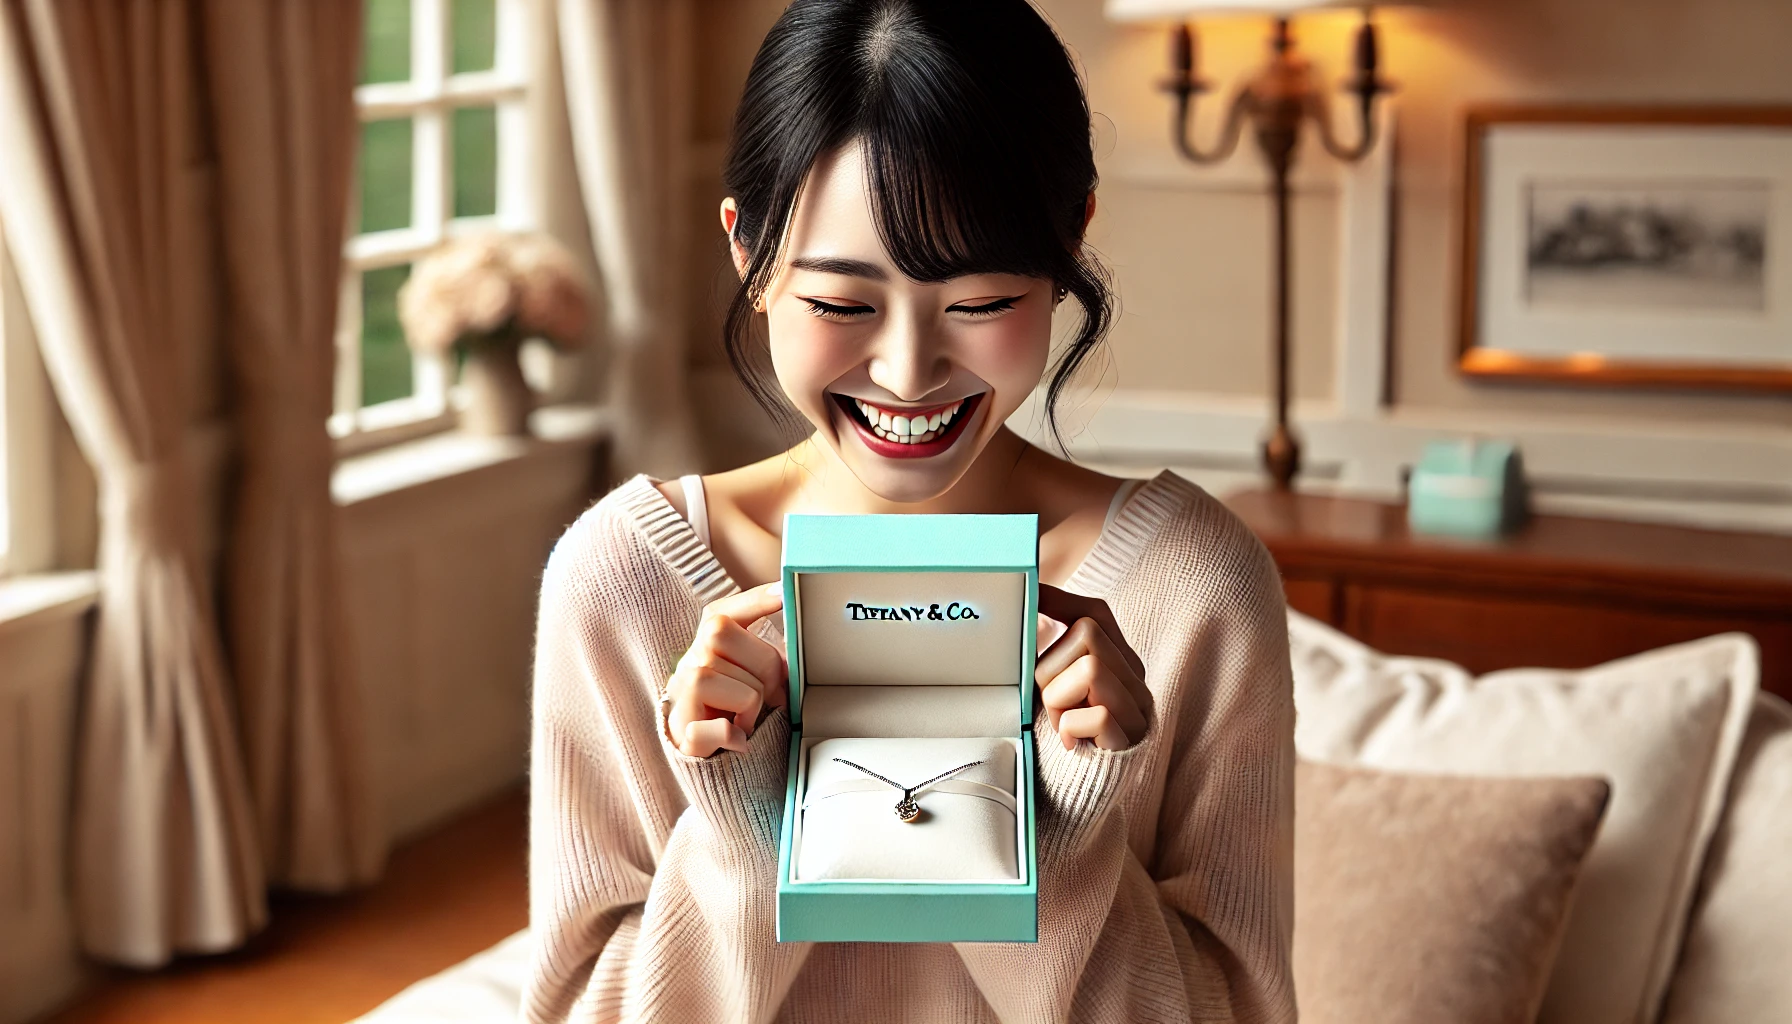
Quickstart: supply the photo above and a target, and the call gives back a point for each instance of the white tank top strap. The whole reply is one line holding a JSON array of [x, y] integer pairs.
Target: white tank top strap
[[1121, 496], [696, 506]]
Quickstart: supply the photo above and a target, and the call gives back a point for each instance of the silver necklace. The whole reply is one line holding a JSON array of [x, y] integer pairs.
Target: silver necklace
[[906, 808]]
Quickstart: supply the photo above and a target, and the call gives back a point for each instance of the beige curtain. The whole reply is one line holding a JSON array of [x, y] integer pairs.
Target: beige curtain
[[627, 76], [281, 77], [103, 196]]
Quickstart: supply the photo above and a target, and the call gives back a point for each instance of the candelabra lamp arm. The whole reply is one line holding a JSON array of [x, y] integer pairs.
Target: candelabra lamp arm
[[1320, 111], [1230, 133], [1366, 84]]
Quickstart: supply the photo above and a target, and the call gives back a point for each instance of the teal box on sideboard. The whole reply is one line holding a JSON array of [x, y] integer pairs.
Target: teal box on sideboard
[[875, 605], [1468, 488]]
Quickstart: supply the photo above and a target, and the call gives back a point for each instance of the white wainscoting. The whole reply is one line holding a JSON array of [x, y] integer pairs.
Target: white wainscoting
[[43, 637], [445, 543]]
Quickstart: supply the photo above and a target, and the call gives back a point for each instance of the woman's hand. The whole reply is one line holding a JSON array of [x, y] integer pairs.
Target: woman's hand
[[1091, 681], [727, 677]]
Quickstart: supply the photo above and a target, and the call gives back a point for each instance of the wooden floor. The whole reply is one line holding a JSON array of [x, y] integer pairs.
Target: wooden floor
[[326, 960]]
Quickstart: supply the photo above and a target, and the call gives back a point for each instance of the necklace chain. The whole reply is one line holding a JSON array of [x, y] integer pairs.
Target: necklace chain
[[908, 792]]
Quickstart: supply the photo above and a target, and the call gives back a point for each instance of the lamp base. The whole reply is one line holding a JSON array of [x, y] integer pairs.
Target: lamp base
[[1281, 457]]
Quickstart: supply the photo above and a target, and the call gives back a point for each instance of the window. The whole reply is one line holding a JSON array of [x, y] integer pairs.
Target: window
[[5, 433], [442, 145], [26, 541]]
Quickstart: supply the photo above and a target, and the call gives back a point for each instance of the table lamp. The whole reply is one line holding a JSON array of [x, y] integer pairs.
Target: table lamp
[[1275, 101]]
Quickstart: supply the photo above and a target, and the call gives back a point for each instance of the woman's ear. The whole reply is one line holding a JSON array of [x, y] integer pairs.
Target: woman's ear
[[1088, 212], [731, 215]]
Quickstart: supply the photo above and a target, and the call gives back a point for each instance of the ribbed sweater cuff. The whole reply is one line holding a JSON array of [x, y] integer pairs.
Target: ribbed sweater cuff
[[1079, 786], [740, 793]]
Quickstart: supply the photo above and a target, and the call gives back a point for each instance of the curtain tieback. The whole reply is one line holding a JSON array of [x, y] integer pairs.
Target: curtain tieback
[[150, 499]]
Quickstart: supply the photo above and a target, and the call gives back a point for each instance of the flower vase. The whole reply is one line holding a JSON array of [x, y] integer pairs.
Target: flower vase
[[498, 399]]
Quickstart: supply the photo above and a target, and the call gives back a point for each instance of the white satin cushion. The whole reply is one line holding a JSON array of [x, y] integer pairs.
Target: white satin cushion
[[857, 835]]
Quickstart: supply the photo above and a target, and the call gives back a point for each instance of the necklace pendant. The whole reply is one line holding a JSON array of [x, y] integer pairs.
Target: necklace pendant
[[908, 810]]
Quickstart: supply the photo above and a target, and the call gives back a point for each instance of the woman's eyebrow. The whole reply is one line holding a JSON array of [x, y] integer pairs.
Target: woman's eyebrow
[[840, 265]]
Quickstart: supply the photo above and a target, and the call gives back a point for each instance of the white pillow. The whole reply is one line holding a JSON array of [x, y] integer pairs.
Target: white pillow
[[1735, 965], [1663, 728], [967, 830]]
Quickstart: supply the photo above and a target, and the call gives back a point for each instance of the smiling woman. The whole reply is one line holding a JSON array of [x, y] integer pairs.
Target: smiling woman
[[909, 184]]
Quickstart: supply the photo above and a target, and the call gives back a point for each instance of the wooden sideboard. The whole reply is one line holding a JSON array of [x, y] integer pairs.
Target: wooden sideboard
[[1564, 592]]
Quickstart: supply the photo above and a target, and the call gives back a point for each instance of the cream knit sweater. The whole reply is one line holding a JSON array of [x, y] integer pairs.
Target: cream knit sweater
[[1166, 884]]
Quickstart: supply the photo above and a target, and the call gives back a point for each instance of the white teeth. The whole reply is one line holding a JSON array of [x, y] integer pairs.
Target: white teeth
[[904, 429]]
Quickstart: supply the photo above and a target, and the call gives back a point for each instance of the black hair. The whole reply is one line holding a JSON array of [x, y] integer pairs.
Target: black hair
[[976, 141]]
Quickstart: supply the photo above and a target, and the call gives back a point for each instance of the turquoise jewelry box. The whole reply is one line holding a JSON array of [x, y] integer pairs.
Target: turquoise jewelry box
[[906, 631]]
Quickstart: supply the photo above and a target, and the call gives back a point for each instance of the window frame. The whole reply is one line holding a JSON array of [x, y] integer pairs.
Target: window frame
[[27, 438], [429, 98]]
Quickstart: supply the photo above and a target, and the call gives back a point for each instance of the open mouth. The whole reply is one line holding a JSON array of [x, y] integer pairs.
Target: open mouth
[[909, 433]]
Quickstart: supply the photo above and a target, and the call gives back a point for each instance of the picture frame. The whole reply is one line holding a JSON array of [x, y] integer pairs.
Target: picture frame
[[1628, 246]]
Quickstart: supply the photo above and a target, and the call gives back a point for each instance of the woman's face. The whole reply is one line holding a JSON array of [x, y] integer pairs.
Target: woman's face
[[906, 381]]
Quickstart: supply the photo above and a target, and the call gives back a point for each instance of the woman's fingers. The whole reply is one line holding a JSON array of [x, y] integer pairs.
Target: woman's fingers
[[727, 677], [725, 668], [724, 634], [749, 606], [706, 736], [1085, 637], [702, 694], [721, 641], [1096, 724], [1090, 681], [1069, 608]]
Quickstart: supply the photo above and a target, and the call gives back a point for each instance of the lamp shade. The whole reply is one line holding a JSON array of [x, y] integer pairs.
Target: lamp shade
[[1162, 10]]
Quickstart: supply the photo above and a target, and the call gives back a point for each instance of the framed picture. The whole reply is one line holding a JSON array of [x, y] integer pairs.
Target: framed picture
[[1628, 246]]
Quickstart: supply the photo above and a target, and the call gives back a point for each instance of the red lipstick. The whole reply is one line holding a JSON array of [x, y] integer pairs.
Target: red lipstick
[[948, 435]]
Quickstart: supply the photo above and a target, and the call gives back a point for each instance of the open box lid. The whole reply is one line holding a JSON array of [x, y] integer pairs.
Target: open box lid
[[891, 601]]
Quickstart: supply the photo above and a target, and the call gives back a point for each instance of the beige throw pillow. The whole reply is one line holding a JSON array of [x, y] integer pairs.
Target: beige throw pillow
[[1663, 728], [1428, 898], [1736, 966]]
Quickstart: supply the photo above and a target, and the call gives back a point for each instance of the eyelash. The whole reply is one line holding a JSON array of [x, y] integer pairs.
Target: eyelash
[[830, 311], [988, 309]]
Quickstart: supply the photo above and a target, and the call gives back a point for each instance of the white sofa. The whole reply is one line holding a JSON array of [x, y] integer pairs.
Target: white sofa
[[1683, 912]]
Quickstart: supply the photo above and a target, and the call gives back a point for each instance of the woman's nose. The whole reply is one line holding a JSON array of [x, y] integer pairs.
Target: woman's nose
[[908, 363]]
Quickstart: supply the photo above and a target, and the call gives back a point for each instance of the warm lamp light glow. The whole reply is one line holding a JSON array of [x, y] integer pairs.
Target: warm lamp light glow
[[1160, 10], [1275, 103]]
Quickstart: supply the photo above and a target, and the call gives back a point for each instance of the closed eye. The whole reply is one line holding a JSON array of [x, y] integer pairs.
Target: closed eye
[[993, 308], [834, 311]]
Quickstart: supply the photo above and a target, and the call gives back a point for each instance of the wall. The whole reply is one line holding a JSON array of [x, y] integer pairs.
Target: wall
[[1190, 247]]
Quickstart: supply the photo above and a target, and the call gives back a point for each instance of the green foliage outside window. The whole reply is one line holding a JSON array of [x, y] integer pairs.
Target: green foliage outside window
[[386, 42], [386, 174], [386, 168], [474, 25], [385, 361], [475, 161]]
